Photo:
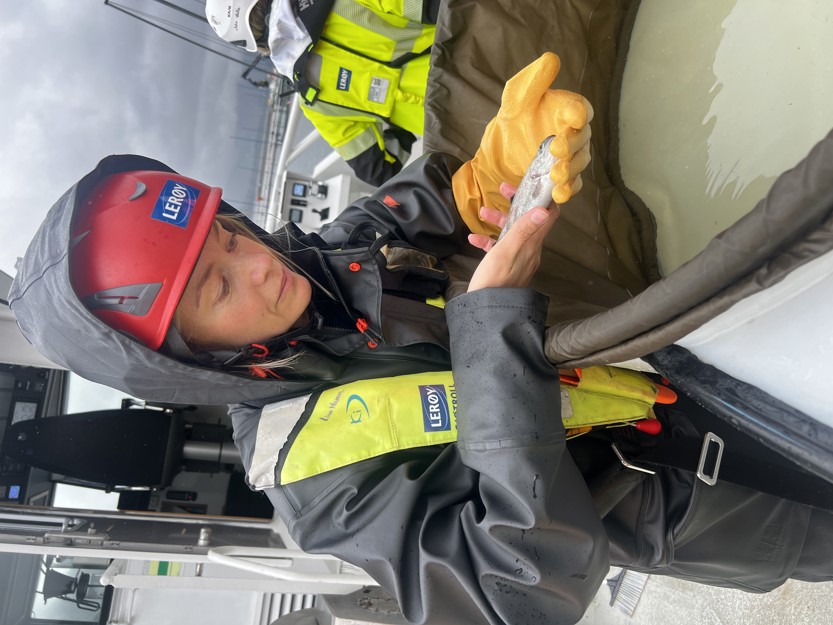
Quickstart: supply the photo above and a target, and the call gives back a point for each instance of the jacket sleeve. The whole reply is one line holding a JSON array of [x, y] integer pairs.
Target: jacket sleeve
[[375, 153], [380, 162], [552, 553], [416, 206], [548, 551], [497, 528]]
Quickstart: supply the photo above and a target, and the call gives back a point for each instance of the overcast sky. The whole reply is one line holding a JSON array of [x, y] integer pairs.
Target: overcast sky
[[82, 80]]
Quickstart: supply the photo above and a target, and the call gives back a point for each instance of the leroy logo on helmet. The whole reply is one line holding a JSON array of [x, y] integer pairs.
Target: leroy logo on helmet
[[175, 203]]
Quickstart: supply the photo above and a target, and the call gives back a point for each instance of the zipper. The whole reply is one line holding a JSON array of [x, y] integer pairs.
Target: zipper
[[373, 337], [399, 357]]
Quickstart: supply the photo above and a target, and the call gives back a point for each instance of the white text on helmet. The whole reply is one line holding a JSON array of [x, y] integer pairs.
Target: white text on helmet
[[174, 202]]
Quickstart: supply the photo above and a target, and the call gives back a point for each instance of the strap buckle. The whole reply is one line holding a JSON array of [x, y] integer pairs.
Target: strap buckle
[[705, 453], [630, 465]]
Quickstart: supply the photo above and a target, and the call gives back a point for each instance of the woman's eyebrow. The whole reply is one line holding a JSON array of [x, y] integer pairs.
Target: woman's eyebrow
[[215, 231]]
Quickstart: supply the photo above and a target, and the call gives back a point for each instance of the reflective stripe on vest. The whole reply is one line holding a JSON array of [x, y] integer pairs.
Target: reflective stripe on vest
[[386, 38], [370, 418]]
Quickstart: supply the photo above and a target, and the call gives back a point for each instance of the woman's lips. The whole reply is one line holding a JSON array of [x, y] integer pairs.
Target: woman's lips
[[284, 285]]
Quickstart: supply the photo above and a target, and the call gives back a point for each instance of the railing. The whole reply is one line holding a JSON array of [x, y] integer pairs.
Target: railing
[[286, 565]]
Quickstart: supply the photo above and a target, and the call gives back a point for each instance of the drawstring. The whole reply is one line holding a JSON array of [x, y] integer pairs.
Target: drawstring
[[261, 351], [261, 372]]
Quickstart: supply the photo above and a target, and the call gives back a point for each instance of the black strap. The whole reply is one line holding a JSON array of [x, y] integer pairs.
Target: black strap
[[378, 237], [770, 428], [313, 15], [747, 459], [407, 58], [771, 477]]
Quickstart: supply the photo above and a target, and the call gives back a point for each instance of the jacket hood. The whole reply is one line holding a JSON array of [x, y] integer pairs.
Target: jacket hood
[[56, 322]]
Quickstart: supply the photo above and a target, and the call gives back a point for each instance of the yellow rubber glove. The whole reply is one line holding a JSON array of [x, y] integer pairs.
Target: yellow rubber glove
[[529, 112]]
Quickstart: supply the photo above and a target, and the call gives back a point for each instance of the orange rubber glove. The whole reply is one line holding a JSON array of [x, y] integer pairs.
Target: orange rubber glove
[[529, 112]]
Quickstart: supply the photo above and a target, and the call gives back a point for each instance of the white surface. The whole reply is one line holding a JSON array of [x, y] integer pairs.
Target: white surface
[[186, 607], [779, 340], [718, 99], [14, 348], [69, 496], [85, 396]]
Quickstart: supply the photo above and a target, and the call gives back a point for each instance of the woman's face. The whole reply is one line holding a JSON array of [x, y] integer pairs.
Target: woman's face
[[239, 293]]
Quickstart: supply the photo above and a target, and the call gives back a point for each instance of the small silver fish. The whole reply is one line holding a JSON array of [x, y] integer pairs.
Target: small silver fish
[[536, 186]]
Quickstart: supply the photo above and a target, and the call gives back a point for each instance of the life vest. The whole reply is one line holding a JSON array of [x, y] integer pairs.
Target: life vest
[[363, 61], [305, 436]]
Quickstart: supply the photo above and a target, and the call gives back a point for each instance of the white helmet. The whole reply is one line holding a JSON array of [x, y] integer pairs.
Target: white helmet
[[230, 20]]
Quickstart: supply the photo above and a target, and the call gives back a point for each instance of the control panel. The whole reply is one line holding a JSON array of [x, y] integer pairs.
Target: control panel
[[26, 393], [312, 203]]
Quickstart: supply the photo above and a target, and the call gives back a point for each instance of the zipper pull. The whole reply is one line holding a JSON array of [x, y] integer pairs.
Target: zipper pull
[[372, 339]]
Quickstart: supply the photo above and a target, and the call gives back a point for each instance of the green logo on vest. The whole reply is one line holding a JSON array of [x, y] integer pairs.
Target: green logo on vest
[[356, 409]]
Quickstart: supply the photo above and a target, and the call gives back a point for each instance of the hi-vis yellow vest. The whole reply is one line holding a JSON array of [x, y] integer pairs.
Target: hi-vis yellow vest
[[367, 66], [359, 58], [369, 418]]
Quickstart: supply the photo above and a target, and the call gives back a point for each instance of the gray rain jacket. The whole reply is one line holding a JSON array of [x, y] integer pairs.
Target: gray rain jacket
[[498, 527]]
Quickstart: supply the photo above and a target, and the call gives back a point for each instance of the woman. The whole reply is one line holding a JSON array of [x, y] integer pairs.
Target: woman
[[455, 492]]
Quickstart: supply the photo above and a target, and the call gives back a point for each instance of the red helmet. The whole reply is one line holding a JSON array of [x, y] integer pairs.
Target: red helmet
[[136, 236]]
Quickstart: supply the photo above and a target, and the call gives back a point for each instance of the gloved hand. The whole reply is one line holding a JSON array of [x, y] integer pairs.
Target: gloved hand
[[529, 112]]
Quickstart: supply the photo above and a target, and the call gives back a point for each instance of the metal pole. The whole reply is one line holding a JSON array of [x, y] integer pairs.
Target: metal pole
[[211, 452], [273, 206], [182, 10]]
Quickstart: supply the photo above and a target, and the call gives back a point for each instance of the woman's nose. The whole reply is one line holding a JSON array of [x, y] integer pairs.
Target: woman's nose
[[257, 267]]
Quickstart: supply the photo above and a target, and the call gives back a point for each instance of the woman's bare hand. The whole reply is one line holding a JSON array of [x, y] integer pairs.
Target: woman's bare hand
[[514, 260]]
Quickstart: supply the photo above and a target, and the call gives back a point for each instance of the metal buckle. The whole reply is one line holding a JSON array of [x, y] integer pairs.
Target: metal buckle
[[708, 439], [630, 465]]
